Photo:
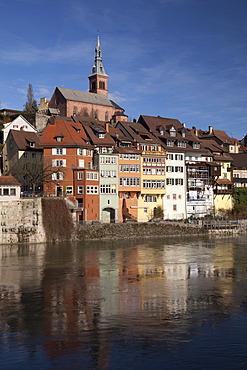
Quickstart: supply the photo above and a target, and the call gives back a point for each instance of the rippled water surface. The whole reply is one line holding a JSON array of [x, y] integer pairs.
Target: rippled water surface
[[161, 304]]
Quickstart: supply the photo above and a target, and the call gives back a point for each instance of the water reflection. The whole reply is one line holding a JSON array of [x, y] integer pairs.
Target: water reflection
[[104, 303]]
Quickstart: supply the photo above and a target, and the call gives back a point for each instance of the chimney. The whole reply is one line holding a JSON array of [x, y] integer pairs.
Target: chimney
[[210, 129], [107, 126]]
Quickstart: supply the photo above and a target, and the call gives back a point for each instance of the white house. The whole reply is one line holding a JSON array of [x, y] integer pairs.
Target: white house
[[10, 188], [20, 123]]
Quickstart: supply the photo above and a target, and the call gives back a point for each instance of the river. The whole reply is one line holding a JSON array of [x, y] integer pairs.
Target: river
[[161, 304]]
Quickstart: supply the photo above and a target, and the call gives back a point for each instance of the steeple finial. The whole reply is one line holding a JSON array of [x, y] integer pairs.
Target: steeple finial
[[98, 67]]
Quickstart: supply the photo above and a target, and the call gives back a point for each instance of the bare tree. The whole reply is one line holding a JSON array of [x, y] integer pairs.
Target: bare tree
[[32, 173]]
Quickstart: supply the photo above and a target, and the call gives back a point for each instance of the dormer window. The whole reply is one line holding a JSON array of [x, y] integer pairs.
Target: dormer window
[[181, 144], [59, 138], [101, 135], [196, 145], [183, 133], [172, 132], [170, 143]]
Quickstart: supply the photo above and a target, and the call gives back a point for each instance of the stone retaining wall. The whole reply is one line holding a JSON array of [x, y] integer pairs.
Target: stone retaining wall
[[21, 221]]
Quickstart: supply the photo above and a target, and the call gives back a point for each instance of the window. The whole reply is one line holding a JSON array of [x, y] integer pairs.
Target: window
[[108, 160], [170, 156], [108, 189], [182, 144], [25, 155], [12, 191], [174, 207], [59, 139], [129, 168], [172, 132], [58, 151], [153, 184], [178, 157], [129, 181], [108, 173], [59, 163], [174, 196], [179, 181], [92, 189], [80, 189], [145, 210], [69, 190], [57, 176], [81, 162], [169, 143], [92, 175], [150, 199], [130, 156], [5, 191], [33, 155], [80, 175], [168, 196], [169, 181]]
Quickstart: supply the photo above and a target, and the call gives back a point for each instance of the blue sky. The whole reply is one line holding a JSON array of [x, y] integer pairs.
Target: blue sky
[[184, 59]]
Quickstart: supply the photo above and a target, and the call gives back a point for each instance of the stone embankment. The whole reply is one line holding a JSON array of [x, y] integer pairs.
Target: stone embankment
[[137, 230], [49, 220]]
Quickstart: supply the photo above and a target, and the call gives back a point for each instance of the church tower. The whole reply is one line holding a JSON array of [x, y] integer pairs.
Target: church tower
[[98, 80]]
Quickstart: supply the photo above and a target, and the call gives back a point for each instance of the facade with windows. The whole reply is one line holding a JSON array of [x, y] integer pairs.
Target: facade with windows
[[23, 158], [69, 158], [174, 202], [129, 188], [108, 185]]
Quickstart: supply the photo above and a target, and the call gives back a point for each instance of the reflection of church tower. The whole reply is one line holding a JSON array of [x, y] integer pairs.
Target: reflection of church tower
[[98, 80]]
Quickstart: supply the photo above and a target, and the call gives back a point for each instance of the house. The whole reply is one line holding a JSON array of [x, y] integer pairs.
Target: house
[[152, 179], [23, 159], [106, 161], [220, 175], [239, 169], [10, 188], [69, 154], [220, 137], [20, 123], [92, 104]]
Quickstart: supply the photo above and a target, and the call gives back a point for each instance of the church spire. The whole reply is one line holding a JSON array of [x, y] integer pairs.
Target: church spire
[[98, 67], [98, 80]]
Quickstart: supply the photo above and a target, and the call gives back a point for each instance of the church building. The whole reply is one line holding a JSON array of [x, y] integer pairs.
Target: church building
[[92, 104]]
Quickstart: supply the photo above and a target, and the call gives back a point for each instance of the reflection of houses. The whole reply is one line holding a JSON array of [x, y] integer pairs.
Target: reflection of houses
[[69, 156], [22, 158], [10, 188]]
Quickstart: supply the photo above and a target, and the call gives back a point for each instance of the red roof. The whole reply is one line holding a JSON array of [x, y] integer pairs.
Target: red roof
[[8, 180], [72, 134]]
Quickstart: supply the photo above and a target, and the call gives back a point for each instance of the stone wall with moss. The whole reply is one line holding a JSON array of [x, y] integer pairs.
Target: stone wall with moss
[[136, 230]]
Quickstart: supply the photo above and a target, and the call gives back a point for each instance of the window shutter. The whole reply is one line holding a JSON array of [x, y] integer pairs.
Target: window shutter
[[54, 163], [64, 162], [53, 176], [54, 151]]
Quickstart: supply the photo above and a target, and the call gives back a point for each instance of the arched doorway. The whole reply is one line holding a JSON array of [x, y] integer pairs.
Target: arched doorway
[[108, 215]]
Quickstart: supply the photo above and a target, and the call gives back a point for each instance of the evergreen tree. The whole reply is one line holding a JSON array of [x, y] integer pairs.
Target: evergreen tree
[[31, 104]]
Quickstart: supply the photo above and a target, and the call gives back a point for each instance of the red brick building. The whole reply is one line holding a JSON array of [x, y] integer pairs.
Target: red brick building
[[68, 151], [93, 104]]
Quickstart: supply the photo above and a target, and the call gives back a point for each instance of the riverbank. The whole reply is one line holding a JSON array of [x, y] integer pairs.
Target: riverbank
[[136, 230]]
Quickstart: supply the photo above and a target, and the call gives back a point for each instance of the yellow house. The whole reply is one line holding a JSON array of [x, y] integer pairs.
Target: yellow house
[[223, 188]]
